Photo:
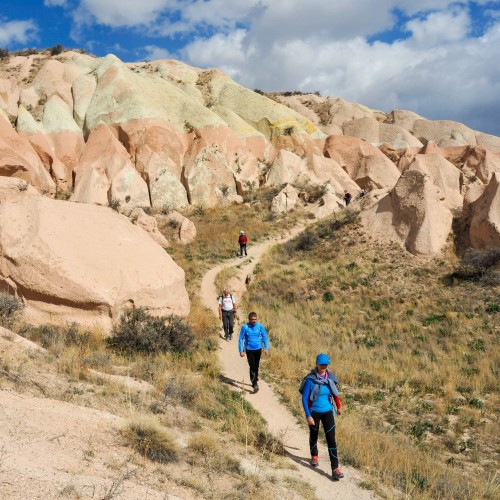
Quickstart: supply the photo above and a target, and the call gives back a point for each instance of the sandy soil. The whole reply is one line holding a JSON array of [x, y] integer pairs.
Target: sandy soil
[[280, 420]]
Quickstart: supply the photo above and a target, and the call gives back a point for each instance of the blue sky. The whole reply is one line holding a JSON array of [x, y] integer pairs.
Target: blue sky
[[439, 58]]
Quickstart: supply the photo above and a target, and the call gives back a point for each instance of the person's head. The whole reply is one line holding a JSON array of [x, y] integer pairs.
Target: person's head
[[242, 232], [322, 362], [252, 318], [227, 291]]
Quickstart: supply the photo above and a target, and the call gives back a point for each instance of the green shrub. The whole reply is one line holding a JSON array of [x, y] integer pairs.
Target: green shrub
[[138, 331], [9, 307], [4, 53]]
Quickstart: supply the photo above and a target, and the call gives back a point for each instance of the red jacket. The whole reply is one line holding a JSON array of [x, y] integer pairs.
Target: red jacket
[[243, 240]]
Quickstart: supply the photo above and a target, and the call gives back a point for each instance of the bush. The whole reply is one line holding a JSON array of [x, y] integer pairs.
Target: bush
[[151, 440], [476, 264], [49, 335], [9, 307], [56, 50], [114, 203], [4, 53], [138, 331]]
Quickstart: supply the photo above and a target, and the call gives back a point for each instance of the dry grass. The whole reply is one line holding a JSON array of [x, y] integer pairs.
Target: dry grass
[[417, 357], [145, 434]]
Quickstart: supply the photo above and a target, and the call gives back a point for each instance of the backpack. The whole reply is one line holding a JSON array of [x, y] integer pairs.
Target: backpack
[[221, 296]]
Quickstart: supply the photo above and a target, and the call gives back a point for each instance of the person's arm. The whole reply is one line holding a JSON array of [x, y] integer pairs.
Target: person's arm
[[337, 404], [241, 341], [305, 401], [265, 340], [220, 310]]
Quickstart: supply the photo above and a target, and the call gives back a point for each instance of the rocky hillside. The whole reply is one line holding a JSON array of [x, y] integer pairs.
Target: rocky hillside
[[162, 136]]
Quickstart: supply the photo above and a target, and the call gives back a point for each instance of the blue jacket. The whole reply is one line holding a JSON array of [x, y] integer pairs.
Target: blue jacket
[[317, 394], [252, 337]]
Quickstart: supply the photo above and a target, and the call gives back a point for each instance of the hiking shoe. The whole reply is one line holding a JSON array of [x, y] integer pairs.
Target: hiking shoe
[[255, 388], [336, 475], [315, 461], [230, 337]]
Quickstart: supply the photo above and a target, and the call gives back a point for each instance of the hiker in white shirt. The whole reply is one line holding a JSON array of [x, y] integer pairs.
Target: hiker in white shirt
[[227, 313]]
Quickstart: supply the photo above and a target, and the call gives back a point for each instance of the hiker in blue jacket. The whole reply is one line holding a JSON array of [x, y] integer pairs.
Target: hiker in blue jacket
[[318, 391], [252, 337]]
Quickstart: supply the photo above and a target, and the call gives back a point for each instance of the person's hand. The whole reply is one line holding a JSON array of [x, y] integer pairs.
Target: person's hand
[[339, 412], [310, 421], [266, 352], [242, 354]]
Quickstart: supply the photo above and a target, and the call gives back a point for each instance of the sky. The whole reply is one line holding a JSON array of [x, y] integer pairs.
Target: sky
[[438, 58]]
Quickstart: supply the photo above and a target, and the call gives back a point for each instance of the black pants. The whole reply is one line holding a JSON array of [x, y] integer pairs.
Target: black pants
[[253, 358], [228, 322], [243, 248], [328, 421]]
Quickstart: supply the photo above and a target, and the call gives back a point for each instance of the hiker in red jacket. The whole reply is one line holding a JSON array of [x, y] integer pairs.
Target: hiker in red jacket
[[243, 240]]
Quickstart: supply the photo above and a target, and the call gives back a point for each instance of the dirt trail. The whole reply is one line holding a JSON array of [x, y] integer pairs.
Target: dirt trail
[[278, 417]]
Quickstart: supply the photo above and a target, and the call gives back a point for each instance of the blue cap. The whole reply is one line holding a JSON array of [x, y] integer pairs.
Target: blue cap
[[322, 359]]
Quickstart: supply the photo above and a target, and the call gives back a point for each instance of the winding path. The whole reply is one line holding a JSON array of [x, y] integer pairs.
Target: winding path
[[280, 421]]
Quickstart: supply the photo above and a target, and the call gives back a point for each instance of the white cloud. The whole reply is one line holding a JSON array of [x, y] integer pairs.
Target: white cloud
[[117, 13], [17, 31], [439, 27], [438, 71], [436, 68], [153, 53]]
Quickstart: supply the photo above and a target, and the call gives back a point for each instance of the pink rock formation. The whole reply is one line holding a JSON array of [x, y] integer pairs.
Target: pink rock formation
[[78, 262], [186, 230], [376, 133], [18, 159], [444, 175], [105, 172], [444, 133], [483, 214], [412, 213], [364, 163], [149, 224]]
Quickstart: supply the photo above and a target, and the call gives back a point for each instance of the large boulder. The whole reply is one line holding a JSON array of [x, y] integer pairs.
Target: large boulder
[[364, 163], [482, 212], [444, 133], [444, 174], [412, 213], [286, 200], [376, 133], [84, 263]]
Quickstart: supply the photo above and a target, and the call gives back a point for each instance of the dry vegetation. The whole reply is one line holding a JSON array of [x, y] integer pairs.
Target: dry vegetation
[[414, 345], [219, 432]]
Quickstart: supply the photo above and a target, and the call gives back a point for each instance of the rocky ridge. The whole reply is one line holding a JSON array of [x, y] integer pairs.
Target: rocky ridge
[[165, 136]]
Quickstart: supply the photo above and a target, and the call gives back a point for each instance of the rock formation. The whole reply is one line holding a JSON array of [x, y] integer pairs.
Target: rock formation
[[81, 262], [162, 136]]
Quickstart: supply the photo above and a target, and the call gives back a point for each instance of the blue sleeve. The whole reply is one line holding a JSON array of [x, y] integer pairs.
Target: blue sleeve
[[263, 334], [305, 397], [241, 339]]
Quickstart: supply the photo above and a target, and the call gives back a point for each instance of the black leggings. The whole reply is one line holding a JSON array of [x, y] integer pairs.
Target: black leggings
[[328, 422], [243, 248], [228, 322], [253, 358]]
